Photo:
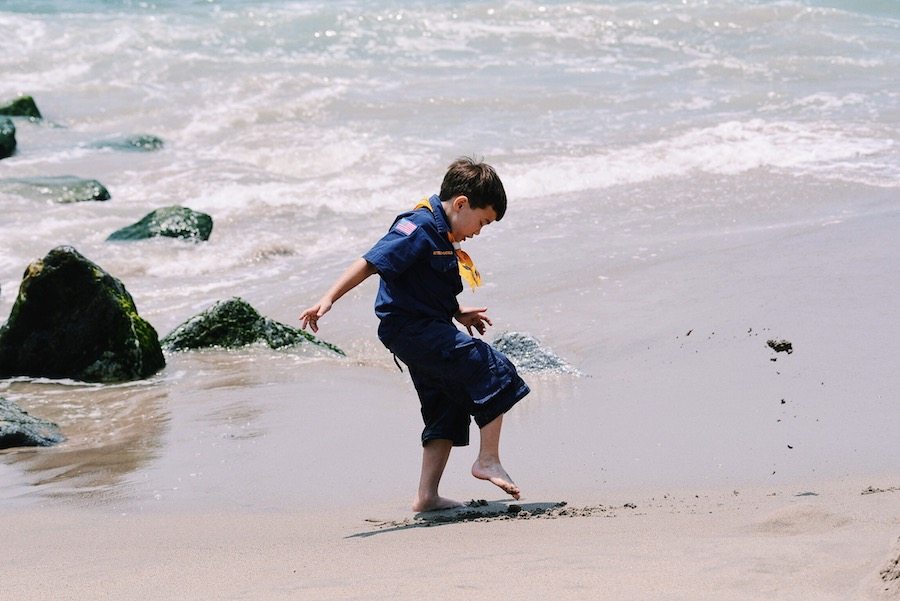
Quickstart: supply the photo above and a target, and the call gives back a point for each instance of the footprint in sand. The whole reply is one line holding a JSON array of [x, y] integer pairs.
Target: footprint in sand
[[800, 519]]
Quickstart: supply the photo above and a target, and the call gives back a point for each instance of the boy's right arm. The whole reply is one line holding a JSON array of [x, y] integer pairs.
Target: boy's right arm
[[358, 271]]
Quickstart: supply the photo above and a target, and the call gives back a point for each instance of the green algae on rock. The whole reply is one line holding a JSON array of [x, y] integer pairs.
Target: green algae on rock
[[233, 323], [23, 106], [169, 222], [19, 429], [72, 319]]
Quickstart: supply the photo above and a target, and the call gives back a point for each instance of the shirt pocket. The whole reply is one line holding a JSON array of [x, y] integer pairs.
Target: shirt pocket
[[443, 263]]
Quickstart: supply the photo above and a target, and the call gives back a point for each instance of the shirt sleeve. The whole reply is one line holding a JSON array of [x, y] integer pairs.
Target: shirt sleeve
[[397, 250]]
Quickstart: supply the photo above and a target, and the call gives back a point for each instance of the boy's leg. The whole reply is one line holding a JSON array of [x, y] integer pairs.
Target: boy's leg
[[435, 453], [488, 466]]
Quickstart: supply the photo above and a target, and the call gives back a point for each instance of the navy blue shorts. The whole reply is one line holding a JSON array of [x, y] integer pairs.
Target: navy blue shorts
[[456, 376]]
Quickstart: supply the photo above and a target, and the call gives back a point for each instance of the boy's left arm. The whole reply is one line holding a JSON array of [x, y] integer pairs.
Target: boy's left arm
[[473, 317]]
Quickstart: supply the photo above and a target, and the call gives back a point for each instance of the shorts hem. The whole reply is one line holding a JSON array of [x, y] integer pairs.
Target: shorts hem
[[502, 403], [456, 442]]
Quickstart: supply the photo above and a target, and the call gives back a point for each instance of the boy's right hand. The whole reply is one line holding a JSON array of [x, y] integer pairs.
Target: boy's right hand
[[311, 316], [358, 271]]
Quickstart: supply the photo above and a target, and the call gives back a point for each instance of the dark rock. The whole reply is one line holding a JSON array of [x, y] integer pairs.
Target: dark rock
[[7, 137], [18, 429], [135, 143], [61, 189], [781, 346], [234, 323], [72, 319], [527, 353], [169, 222], [23, 106]]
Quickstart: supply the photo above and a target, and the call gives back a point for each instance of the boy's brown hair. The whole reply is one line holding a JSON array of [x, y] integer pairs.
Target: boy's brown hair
[[478, 182]]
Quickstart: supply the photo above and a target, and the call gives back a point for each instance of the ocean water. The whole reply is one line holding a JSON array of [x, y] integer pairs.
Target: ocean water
[[622, 129], [294, 124]]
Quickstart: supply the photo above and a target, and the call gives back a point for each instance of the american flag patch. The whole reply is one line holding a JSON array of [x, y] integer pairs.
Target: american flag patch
[[405, 227]]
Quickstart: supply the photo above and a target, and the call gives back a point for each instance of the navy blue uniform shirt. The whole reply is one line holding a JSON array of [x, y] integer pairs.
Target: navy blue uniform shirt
[[418, 269]]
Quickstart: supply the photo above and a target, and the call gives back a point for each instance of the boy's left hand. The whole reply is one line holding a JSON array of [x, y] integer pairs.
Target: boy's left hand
[[473, 317]]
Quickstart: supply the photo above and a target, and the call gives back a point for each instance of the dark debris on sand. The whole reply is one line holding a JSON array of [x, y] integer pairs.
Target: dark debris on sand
[[781, 346], [481, 510]]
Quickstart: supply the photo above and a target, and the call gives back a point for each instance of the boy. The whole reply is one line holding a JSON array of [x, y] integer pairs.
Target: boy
[[455, 375]]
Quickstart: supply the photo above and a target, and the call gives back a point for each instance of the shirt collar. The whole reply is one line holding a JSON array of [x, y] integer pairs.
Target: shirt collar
[[440, 218]]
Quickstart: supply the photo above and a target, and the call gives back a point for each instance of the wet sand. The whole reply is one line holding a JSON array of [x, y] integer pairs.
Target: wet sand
[[684, 455]]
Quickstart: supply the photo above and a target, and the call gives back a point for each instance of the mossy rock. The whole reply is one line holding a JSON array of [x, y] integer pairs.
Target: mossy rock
[[134, 143], [72, 319], [528, 354], [59, 189], [233, 323], [169, 222], [18, 429], [7, 137], [23, 106]]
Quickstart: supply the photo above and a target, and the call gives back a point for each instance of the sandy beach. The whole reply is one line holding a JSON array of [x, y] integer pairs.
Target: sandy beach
[[699, 465], [693, 186], [832, 543]]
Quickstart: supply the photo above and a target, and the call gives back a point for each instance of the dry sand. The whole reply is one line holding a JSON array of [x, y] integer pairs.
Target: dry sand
[[755, 544]]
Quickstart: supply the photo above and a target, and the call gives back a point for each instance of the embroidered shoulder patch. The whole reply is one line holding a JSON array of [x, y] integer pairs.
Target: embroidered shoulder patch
[[405, 226]]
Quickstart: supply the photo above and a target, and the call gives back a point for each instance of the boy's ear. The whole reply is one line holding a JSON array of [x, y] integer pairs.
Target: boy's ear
[[459, 201]]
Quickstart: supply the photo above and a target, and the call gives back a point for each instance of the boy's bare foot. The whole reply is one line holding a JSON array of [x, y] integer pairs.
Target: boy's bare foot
[[495, 474], [434, 504]]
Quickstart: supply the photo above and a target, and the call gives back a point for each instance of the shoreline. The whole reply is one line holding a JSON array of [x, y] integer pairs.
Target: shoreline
[[252, 475], [681, 388]]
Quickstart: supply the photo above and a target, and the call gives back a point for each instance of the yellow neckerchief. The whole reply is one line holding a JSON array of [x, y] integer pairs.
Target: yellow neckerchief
[[467, 270]]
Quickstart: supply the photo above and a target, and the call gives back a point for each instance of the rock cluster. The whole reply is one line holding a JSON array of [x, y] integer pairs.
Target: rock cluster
[[171, 222], [72, 319]]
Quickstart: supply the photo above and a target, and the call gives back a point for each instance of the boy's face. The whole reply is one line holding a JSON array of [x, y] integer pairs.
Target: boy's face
[[466, 222]]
